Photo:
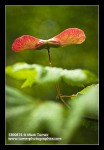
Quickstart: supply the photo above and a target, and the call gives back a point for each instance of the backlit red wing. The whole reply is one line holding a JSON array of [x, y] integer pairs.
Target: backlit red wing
[[27, 42], [68, 37]]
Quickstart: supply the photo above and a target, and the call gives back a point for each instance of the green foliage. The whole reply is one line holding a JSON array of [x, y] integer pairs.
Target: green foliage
[[82, 91], [34, 74], [31, 115], [85, 105], [25, 114]]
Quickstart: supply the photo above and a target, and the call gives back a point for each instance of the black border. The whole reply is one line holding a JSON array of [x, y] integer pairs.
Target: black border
[[2, 63]]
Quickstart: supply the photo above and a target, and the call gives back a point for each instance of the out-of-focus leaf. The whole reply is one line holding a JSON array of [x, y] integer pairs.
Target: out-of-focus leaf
[[22, 71], [79, 77], [39, 74], [25, 114], [48, 116], [17, 103], [85, 105], [74, 96]]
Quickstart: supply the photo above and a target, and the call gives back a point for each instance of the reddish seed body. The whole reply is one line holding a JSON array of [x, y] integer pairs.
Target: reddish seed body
[[67, 37]]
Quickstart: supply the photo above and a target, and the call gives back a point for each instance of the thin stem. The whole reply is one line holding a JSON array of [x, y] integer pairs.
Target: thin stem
[[58, 90], [49, 56], [65, 103], [57, 84], [65, 96]]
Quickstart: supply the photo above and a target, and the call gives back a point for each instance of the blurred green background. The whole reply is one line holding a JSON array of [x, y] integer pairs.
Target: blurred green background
[[45, 22]]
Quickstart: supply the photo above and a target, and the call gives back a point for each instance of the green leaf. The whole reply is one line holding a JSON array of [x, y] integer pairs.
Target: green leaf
[[79, 77], [22, 71], [86, 105], [74, 96], [37, 74], [25, 114], [16, 102]]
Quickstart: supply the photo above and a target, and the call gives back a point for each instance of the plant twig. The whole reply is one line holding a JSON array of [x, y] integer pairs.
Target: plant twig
[[66, 96], [49, 56], [57, 84]]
